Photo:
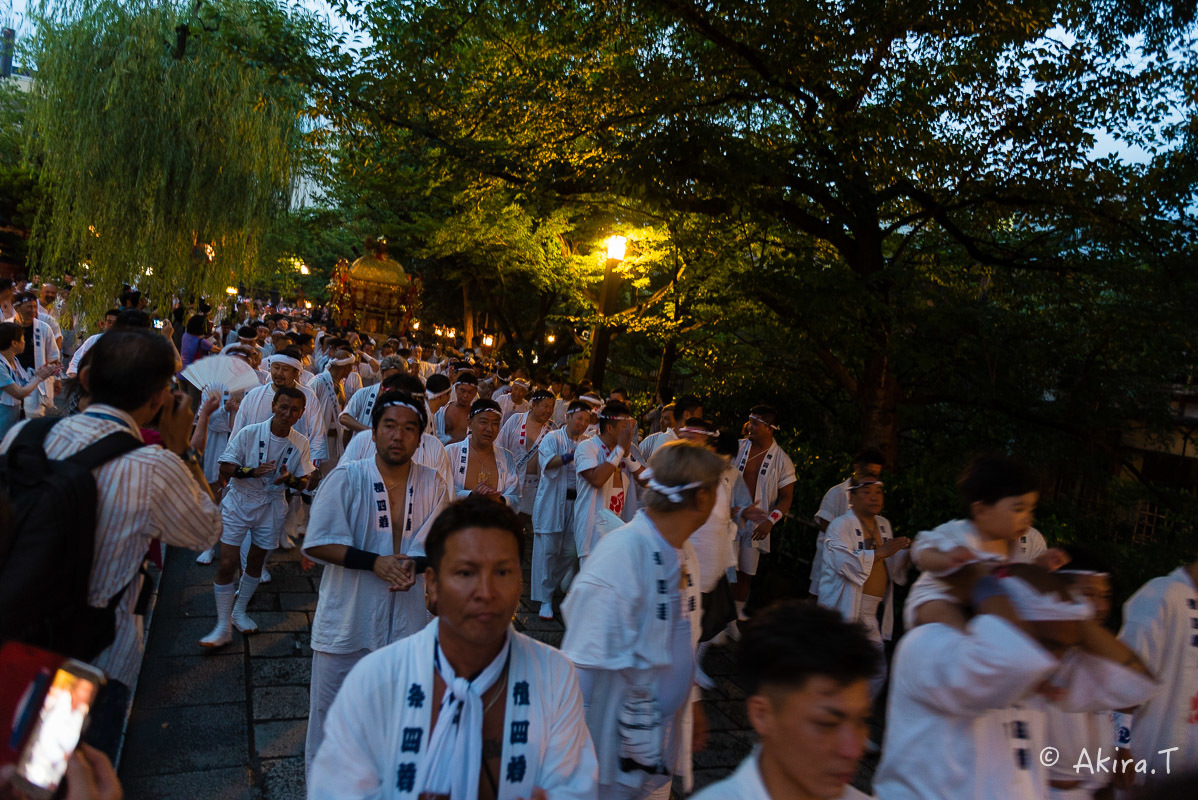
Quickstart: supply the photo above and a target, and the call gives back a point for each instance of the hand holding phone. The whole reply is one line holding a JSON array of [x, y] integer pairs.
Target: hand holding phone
[[56, 732]]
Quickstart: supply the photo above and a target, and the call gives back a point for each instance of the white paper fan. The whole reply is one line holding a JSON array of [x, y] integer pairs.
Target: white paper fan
[[235, 374]]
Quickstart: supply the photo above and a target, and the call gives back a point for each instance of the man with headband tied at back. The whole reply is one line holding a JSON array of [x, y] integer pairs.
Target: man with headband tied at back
[[607, 466], [481, 468]]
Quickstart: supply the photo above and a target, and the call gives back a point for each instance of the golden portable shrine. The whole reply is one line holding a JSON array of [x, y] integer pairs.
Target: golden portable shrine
[[374, 294]]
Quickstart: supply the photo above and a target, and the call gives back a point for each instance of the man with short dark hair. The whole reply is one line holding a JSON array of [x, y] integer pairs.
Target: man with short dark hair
[[150, 493], [607, 467], [41, 348], [480, 467], [110, 318], [685, 408], [806, 675], [423, 717], [867, 465], [260, 461], [453, 420], [369, 522]]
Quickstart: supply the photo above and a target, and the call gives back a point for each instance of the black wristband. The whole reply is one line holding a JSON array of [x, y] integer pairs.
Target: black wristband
[[243, 472], [360, 559], [421, 563]]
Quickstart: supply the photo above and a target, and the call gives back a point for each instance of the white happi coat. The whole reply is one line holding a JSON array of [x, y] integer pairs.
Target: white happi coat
[[592, 518], [775, 472], [513, 438], [847, 565], [1160, 623], [507, 481], [378, 731], [509, 408], [88, 344], [746, 784], [361, 404], [629, 642], [219, 429], [430, 453], [259, 498], [255, 407], [45, 351], [958, 533], [834, 504], [329, 412], [357, 610], [656, 440], [549, 510], [715, 541]]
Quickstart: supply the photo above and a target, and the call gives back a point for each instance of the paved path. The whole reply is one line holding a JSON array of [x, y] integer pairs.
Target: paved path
[[230, 725]]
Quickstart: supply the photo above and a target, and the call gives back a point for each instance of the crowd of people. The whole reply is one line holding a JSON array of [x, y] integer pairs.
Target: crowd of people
[[416, 477]]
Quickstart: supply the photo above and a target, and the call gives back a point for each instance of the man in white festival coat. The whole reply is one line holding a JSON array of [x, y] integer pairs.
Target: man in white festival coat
[[632, 624], [479, 466], [553, 510], [607, 466], [521, 435], [369, 522], [408, 723]]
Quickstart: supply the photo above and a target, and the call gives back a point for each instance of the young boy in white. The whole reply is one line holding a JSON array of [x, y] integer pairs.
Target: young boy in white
[[866, 464], [769, 475], [1000, 494], [1160, 622], [521, 435], [632, 623], [863, 563], [966, 713], [422, 717], [553, 511], [479, 467], [806, 673], [369, 522], [606, 466], [261, 461]]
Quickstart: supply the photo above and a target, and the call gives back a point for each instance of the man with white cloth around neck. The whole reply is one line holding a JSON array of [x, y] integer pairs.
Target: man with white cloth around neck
[[514, 402], [864, 561], [357, 413], [632, 623], [329, 388], [806, 675], [285, 369], [967, 706], [521, 435], [467, 709], [607, 466], [769, 475], [553, 510], [260, 461], [479, 467], [369, 523]]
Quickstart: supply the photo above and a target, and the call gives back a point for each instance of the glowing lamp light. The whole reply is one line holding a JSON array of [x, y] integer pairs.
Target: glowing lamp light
[[416, 325], [550, 338], [149, 271], [307, 304], [437, 331], [303, 269], [230, 290], [488, 341], [615, 248]]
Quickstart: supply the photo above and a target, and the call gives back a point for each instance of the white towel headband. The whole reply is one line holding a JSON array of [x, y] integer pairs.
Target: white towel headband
[[674, 493]]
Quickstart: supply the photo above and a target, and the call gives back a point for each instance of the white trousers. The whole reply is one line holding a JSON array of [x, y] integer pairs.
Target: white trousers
[[867, 615], [552, 555], [328, 673]]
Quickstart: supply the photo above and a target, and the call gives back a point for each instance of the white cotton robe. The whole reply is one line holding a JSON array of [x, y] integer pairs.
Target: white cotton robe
[[847, 565], [746, 784], [550, 510], [378, 731], [834, 504], [594, 514], [507, 481], [715, 541], [45, 351], [356, 609], [259, 501], [430, 453], [959, 532], [774, 472], [628, 644], [328, 414], [255, 407], [1160, 623], [513, 437]]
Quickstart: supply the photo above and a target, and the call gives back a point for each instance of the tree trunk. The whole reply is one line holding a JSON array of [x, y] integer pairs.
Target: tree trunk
[[668, 356], [467, 315], [878, 398]]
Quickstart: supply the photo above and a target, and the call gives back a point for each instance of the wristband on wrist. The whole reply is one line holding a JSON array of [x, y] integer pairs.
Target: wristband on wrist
[[243, 472], [775, 516], [983, 589], [360, 559], [567, 458], [616, 456]]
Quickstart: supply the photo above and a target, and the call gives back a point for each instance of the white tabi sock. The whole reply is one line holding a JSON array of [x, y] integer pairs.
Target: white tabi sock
[[223, 633], [242, 622]]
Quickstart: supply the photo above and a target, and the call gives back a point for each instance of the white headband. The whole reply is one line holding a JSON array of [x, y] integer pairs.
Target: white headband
[[674, 493], [1032, 606], [763, 422], [404, 404], [700, 431], [521, 383], [342, 362], [286, 361], [434, 395], [474, 414]]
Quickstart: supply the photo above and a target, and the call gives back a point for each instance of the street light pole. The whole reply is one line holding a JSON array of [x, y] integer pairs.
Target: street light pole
[[607, 307]]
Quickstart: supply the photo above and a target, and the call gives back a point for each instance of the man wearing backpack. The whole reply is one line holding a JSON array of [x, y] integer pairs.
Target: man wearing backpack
[[141, 493]]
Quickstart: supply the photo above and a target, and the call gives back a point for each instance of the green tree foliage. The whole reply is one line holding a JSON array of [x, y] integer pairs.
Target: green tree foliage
[[170, 136]]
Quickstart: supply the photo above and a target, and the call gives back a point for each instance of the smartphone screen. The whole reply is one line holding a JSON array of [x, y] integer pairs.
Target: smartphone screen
[[157, 323], [56, 732]]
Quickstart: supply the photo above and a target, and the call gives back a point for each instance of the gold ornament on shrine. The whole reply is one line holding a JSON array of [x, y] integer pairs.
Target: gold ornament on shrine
[[376, 294]]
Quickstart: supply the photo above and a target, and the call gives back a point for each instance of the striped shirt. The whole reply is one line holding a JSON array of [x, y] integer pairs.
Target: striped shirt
[[143, 495]]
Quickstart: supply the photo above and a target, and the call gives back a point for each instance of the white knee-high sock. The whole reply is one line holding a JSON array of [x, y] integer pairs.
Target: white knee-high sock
[[224, 601], [248, 587]]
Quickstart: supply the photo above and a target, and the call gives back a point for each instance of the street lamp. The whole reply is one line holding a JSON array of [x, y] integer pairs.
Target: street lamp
[[303, 269], [550, 339], [615, 248], [488, 341], [607, 307], [415, 325], [230, 290]]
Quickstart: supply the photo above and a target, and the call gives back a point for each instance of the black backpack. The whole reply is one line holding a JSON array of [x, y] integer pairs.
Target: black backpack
[[47, 538]]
